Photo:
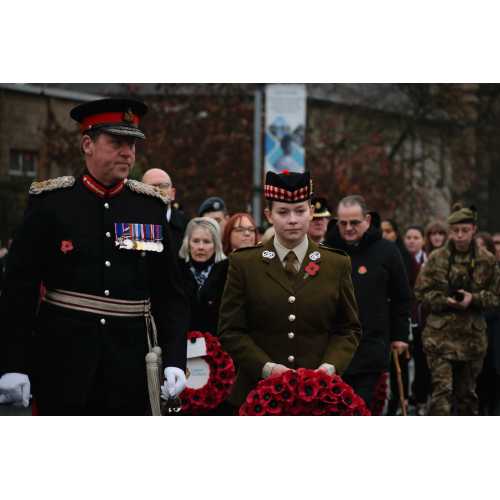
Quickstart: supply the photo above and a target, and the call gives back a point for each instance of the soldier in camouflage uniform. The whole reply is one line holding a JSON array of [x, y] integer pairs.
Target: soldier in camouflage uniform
[[457, 284]]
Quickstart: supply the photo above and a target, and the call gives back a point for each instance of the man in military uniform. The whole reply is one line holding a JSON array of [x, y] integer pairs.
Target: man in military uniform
[[321, 217], [99, 245], [290, 302], [458, 283], [176, 218]]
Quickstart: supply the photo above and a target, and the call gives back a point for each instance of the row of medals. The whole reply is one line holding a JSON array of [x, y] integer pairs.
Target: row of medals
[[151, 246]]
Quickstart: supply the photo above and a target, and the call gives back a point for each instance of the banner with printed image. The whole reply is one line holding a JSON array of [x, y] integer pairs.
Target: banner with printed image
[[285, 127]]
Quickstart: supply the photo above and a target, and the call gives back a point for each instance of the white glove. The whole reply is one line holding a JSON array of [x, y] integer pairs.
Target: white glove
[[15, 388], [175, 382]]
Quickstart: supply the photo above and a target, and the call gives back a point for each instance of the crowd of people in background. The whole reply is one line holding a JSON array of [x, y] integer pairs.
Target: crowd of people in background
[[386, 262], [379, 276]]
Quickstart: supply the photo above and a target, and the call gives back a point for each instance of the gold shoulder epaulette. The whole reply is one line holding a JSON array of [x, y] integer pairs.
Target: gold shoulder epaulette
[[38, 187], [140, 187], [336, 250], [248, 248]]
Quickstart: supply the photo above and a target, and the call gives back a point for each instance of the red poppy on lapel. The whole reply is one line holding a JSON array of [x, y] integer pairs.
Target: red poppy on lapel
[[312, 269], [66, 246]]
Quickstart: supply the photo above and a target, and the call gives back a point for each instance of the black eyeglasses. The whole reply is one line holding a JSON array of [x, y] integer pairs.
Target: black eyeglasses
[[353, 223]]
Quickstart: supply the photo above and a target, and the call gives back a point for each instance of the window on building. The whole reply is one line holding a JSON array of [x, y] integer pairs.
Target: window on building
[[23, 163]]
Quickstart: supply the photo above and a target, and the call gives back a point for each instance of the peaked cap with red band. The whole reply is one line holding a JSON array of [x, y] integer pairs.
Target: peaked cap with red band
[[288, 187], [113, 116]]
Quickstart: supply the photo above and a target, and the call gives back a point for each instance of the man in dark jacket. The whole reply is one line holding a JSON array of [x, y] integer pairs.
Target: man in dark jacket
[[176, 218], [381, 289]]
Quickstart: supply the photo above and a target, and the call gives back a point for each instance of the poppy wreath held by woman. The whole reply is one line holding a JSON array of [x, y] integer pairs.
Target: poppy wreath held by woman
[[303, 392], [220, 380]]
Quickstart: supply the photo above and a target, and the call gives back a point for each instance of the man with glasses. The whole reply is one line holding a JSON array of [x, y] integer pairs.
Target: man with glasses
[[381, 288], [175, 216], [459, 282]]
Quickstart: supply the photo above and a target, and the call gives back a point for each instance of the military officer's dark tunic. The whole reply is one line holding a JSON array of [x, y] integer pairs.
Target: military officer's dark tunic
[[81, 362], [264, 317]]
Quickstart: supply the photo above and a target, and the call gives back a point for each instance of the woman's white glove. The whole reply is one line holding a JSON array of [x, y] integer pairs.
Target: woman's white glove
[[175, 382], [15, 388]]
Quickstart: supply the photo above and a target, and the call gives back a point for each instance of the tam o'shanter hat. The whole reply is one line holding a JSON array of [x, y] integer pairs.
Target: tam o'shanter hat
[[320, 206], [288, 187], [113, 116], [462, 215]]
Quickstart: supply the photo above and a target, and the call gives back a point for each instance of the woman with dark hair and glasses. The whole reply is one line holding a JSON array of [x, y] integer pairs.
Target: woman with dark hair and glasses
[[240, 231]]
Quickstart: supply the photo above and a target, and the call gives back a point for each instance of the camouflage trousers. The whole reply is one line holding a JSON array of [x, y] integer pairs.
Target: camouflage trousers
[[453, 385]]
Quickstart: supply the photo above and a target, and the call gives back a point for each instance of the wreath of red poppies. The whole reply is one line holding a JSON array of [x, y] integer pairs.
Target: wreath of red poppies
[[220, 381], [303, 392]]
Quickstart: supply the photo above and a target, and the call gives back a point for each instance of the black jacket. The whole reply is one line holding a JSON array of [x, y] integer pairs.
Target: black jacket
[[205, 302], [177, 225], [67, 241], [383, 296]]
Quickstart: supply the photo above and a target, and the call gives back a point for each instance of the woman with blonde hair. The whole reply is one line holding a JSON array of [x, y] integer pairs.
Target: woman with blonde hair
[[203, 267]]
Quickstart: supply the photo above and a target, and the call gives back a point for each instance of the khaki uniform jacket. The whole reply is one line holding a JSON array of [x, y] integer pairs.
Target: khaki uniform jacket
[[451, 333], [265, 317]]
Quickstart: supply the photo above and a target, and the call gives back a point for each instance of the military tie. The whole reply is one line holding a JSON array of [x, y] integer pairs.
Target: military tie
[[290, 260]]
